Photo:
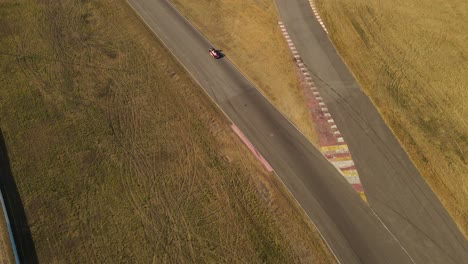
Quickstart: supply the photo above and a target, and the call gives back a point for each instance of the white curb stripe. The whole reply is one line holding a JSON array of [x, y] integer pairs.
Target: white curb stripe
[[352, 180], [343, 163], [317, 15]]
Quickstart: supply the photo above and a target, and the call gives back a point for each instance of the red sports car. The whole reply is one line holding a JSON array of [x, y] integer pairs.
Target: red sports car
[[214, 53]]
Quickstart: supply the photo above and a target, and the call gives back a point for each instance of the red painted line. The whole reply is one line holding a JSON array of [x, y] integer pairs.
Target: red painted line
[[358, 187], [348, 168], [252, 148], [335, 155]]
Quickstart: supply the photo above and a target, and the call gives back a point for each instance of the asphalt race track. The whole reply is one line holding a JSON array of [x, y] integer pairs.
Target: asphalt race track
[[348, 225], [394, 187]]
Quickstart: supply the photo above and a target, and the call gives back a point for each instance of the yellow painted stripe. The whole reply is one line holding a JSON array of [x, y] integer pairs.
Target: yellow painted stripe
[[334, 148], [340, 158], [351, 173], [363, 196]]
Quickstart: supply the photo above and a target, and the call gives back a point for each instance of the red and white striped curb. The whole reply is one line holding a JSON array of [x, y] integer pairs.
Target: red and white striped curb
[[335, 151], [317, 15]]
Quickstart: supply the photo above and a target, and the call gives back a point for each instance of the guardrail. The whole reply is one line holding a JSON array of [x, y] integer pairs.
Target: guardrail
[[10, 231]]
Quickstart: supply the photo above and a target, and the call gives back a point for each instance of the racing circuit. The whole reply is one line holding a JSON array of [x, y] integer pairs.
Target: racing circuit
[[404, 222]]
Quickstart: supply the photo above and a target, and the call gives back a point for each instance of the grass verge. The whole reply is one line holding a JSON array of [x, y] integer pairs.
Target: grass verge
[[119, 156], [248, 32], [6, 251], [410, 57]]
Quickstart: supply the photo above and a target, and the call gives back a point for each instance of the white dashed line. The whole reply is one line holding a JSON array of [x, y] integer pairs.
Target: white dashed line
[[317, 15], [350, 175]]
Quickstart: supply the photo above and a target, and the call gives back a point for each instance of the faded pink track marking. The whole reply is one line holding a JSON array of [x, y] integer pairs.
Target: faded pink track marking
[[252, 148]]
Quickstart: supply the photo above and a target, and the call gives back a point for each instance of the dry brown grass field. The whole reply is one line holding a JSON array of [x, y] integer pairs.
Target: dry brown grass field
[[119, 157], [248, 33], [411, 58]]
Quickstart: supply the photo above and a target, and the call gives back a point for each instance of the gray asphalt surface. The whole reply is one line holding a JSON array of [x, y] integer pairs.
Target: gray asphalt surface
[[346, 222], [394, 187]]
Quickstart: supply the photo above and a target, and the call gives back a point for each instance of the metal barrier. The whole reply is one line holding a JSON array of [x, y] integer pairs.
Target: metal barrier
[[10, 232]]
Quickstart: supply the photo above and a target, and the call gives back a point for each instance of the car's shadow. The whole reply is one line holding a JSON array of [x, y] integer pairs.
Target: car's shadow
[[14, 208], [221, 54]]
